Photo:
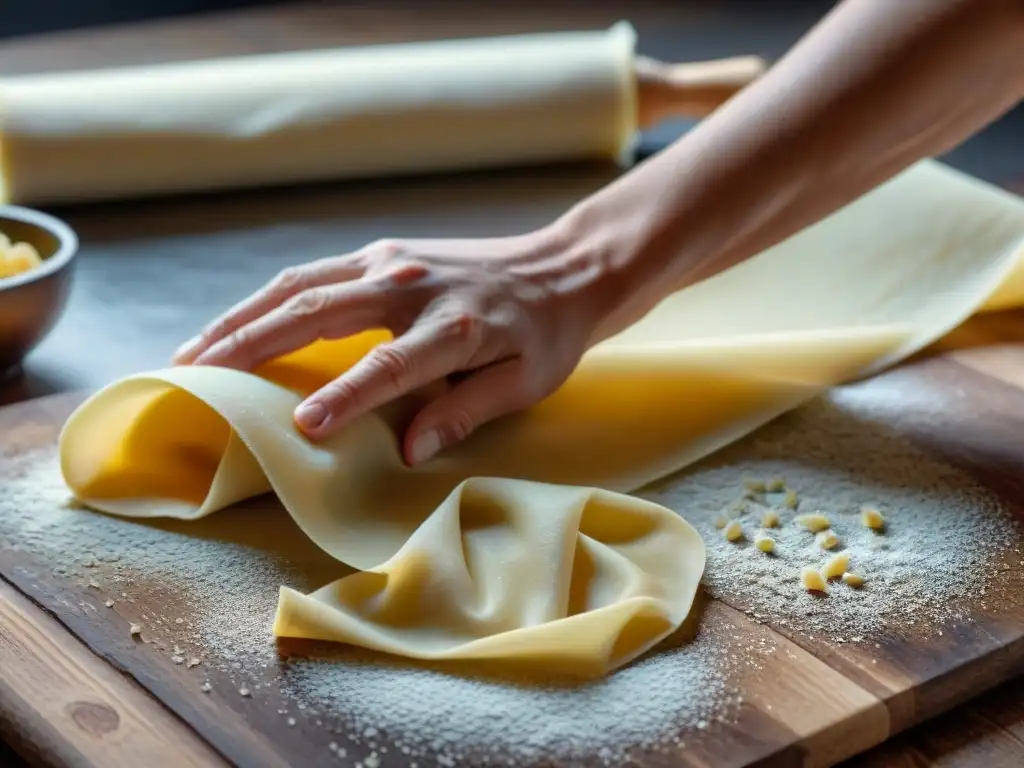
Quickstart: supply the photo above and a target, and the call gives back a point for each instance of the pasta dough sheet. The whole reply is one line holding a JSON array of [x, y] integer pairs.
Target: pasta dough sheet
[[331, 114], [519, 545]]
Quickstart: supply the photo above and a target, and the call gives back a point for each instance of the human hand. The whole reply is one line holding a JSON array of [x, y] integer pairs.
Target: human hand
[[514, 315]]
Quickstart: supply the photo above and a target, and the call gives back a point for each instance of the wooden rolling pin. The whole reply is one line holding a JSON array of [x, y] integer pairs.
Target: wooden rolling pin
[[343, 114]]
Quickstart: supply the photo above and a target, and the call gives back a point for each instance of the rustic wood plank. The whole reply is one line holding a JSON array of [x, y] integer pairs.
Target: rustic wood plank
[[973, 422], [988, 733], [794, 710], [756, 733], [67, 706]]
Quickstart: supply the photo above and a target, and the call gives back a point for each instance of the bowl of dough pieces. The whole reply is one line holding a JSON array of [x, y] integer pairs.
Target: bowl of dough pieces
[[37, 253]]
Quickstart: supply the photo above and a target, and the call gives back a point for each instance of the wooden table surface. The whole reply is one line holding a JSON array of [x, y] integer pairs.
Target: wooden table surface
[[147, 278]]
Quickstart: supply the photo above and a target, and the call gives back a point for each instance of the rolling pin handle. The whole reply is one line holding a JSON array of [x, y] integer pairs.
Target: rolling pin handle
[[690, 89]]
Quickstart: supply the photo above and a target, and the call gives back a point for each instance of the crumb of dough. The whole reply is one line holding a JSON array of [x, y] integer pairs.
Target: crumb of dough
[[853, 579], [721, 522], [765, 543], [812, 580], [754, 486], [734, 531], [791, 500], [872, 518], [206, 687], [16, 258], [836, 566], [135, 629], [194, 662], [827, 540], [291, 722], [770, 519], [243, 691], [814, 522], [109, 603], [178, 659], [776, 485], [739, 506]]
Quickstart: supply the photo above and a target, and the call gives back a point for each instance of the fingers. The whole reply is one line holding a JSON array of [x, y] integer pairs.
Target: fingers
[[429, 351], [324, 312], [492, 392], [288, 283]]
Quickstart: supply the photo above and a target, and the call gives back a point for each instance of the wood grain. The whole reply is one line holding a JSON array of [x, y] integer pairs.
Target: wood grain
[[152, 272], [65, 705], [795, 708], [806, 703]]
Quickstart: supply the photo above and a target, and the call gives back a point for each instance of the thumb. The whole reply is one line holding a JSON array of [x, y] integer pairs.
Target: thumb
[[455, 415]]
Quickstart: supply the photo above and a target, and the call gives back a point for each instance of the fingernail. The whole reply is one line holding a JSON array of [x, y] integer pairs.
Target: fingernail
[[426, 446], [185, 351], [311, 415]]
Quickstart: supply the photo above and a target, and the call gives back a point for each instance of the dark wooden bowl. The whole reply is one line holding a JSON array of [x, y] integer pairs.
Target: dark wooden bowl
[[32, 302]]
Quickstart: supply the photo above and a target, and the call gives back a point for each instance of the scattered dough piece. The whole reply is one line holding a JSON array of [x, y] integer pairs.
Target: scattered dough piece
[[791, 500], [754, 486], [836, 566], [777, 484], [853, 579], [206, 687], [243, 691], [814, 522], [827, 540], [734, 531], [812, 580], [135, 629], [178, 659], [109, 603], [872, 518], [738, 507], [764, 543], [721, 522], [770, 519]]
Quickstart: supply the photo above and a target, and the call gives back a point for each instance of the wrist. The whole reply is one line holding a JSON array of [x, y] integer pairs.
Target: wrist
[[614, 239]]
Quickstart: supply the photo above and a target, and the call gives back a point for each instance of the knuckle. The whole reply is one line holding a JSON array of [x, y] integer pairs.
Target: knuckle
[[338, 393], [233, 342], [388, 248], [287, 281], [218, 329], [393, 364], [464, 326], [406, 273], [459, 425], [309, 303]]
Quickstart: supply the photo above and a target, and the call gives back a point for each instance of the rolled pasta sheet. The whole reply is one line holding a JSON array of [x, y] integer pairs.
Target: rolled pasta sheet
[[323, 115]]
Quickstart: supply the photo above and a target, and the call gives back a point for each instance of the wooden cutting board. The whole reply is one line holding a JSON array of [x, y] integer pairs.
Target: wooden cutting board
[[797, 700]]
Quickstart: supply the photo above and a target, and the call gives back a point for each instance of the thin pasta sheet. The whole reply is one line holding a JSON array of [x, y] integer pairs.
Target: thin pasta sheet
[[523, 545]]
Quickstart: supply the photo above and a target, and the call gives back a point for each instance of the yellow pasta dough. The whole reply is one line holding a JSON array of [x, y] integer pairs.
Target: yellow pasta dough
[[518, 545]]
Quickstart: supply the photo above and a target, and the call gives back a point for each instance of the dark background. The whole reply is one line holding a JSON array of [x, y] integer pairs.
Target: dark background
[[22, 17]]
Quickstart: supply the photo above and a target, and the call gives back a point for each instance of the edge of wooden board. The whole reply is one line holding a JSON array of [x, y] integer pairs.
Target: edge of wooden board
[[71, 708]]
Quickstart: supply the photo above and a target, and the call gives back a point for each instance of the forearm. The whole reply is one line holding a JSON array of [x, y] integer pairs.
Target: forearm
[[877, 86]]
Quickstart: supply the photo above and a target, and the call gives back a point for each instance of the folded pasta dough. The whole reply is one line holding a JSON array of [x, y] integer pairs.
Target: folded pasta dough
[[302, 116], [485, 551]]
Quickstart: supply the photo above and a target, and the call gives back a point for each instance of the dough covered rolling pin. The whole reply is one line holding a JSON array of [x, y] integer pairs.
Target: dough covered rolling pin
[[343, 114]]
